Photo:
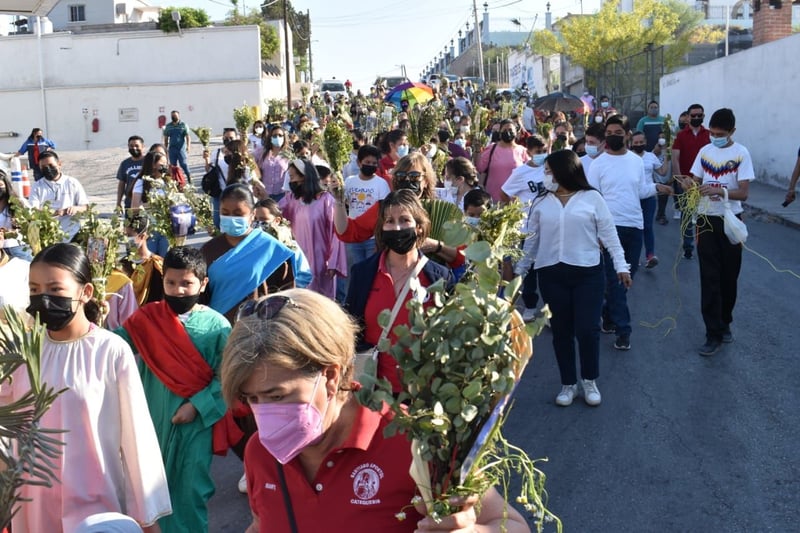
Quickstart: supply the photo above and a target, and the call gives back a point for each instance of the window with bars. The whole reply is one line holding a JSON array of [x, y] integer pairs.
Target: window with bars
[[77, 13]]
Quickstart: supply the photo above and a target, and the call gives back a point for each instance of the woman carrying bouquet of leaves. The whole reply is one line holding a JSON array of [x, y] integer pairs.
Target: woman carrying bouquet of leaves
[[155, 168], [272, 160], [412, 172], [330, 460], [398, 270], [110, 461]]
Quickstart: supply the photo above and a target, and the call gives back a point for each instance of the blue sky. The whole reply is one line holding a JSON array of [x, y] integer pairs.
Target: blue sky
[[359, 39]]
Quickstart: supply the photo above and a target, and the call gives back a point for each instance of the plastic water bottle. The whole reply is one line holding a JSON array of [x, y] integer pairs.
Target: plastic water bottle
[[16, 176]]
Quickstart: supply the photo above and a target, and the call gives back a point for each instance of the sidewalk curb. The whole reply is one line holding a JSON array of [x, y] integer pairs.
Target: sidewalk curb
[[771, 217]]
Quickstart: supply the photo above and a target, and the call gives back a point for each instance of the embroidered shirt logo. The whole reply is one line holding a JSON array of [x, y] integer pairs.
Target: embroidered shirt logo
[[366, 483]]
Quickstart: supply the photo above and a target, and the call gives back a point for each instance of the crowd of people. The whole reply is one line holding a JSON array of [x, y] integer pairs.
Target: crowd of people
[[254, 333]]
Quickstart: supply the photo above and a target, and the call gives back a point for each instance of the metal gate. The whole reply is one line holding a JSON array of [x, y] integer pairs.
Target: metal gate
[[631, 82]]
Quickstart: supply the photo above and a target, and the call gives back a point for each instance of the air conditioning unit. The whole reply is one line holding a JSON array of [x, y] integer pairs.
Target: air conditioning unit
[[121, 9]]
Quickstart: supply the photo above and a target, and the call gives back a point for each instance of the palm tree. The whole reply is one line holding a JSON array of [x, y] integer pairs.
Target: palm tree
[[26, 449]]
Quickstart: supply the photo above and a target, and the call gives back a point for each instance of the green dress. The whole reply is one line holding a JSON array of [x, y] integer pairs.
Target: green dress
[[186, 448]]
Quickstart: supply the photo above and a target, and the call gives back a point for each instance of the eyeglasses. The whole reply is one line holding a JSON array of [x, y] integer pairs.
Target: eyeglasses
[[414, 175], [697, 115], [264, 308]]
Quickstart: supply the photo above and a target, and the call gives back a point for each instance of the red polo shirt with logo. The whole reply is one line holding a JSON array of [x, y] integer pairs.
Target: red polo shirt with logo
[[359, 486]]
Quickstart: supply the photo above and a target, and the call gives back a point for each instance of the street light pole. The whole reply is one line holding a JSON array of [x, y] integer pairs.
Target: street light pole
[[289, 65], [310, 54], [478, 38]]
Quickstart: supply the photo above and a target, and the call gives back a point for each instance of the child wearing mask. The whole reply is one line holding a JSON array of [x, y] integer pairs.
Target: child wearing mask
[[180, 343]]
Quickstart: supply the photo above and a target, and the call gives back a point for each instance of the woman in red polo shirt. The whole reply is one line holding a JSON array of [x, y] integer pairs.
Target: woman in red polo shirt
[[321, 458], [377, 282]]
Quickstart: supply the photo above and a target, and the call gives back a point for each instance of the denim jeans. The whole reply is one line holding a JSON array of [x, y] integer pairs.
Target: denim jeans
[[178, 157], [616, 306], [158, 244], [648, 212], [575, 296], [215, 211], [20, 252], [358, 251]]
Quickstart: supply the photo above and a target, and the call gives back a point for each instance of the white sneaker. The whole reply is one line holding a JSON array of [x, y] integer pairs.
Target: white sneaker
[[243, 484], [591, 394], [567, 394], [530, 314], [676, 215]]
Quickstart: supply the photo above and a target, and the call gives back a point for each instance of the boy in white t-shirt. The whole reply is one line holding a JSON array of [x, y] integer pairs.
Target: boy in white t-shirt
[[723, 164], [361, 191], [525, 181]]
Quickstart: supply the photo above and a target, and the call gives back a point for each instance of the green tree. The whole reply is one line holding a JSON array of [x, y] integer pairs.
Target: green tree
[[594, 40], [269, 35], [190, 18]]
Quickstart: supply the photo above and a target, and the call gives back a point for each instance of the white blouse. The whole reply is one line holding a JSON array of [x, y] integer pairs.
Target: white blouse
[[571, 233]]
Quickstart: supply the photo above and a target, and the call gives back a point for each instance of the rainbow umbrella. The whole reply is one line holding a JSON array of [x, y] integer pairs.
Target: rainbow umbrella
[[413, 92]]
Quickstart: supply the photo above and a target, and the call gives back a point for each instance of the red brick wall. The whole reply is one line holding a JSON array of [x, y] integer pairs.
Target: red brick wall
[[772, 24]]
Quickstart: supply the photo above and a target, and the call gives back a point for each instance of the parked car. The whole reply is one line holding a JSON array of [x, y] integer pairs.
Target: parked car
[[334, 88], [390, 82], [476, 81]]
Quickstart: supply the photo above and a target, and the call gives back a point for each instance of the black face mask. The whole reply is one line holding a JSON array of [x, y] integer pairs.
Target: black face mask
[[696, 122], [400, 241], [175, 119], [50, 172], [411, 185], [369, 170], [495, 136], [562, 138], [55, 312], [182, 304], [297, 189], [227, 159], [615, 142], [135, 152], [3, 194], [356, 146], [638, 148], [507, 136]]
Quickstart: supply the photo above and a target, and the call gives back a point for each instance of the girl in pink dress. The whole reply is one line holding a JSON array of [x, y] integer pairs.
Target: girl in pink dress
[[310, 210]]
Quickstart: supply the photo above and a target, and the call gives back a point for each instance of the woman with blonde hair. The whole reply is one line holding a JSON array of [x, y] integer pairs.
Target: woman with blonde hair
[[315, 441], [415, 173]]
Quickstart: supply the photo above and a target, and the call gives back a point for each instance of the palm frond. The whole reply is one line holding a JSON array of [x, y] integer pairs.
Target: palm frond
[[441, 212]]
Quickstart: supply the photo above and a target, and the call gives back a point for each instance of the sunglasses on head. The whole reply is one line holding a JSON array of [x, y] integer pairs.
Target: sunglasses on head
[[264, 308], [414, 175]]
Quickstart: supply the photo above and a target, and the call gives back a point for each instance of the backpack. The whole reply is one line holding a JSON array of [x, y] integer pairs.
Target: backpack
[[211, 179]]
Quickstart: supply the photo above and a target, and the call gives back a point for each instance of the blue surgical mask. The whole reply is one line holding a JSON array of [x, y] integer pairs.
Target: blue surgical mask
[[538, 159], [402, 150], [604, 104], [234, 226], [592, 151], [460, 142], [472, 221], [719, 142]]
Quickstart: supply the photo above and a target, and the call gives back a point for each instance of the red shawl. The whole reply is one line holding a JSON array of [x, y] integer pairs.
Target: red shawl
[[176, 362]]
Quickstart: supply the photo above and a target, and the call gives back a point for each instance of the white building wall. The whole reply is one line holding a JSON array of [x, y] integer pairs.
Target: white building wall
[[127, 80], [97, 12], [759, 85]]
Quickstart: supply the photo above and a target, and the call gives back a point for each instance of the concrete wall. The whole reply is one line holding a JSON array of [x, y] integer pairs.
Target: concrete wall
[[760, 85], [127, 80]]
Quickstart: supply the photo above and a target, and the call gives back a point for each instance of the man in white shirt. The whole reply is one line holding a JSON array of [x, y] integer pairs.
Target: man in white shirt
[[619, 176], [65, 194], [525, 184], [361, 191], [723, 165], [595, 142]]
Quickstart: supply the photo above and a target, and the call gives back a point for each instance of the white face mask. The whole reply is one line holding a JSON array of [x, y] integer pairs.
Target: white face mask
[[259, 131], [549, 183], [598, 119], [432, 152], [662, 142]]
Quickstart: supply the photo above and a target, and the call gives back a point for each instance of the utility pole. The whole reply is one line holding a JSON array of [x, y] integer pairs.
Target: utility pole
[[310, 53], [478, 36], [289, 66]]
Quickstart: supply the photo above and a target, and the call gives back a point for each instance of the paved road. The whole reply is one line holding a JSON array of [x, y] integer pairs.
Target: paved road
[[681, 442]]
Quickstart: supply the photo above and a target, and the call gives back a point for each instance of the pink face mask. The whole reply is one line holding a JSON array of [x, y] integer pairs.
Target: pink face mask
[[284, 429]]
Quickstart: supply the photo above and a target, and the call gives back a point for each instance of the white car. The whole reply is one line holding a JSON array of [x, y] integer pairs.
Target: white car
[[334, 88]]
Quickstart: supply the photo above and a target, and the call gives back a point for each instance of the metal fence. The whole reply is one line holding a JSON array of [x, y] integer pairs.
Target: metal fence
[[631, 82]]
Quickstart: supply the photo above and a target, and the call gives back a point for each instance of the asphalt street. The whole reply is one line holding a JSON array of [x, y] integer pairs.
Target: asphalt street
[[680, 442]]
